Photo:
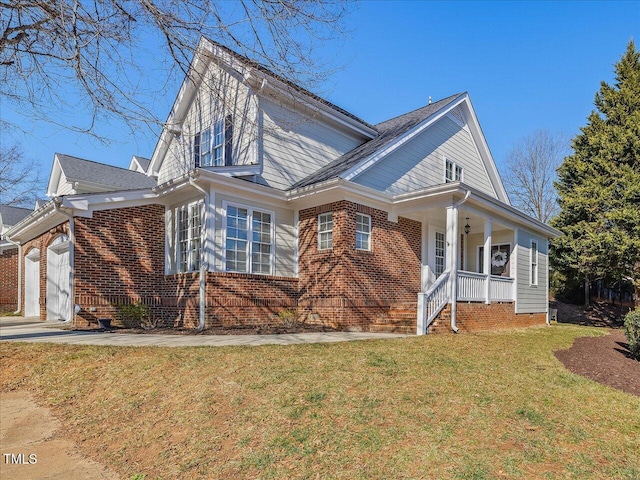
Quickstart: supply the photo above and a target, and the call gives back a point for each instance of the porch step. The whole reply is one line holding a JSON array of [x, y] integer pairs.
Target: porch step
[[392, 328]]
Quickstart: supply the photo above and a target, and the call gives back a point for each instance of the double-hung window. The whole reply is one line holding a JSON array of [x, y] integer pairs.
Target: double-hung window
[[534, 262], [249, 240], [452, 172], [189, 236], [213, 145], [439, 254], [325, 231], [363, 232]]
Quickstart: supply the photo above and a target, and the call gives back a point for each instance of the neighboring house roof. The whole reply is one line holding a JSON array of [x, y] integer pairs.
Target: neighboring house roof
[[139, 164], [93, 175], [389, 131], [10, 215]]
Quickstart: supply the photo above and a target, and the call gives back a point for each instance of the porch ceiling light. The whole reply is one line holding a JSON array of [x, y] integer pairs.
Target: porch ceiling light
[[467, 228]]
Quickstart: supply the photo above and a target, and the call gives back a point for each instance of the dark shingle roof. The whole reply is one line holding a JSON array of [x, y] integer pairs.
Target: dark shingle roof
[[13, 215], [389, 131], [116, 178], [143, 162]]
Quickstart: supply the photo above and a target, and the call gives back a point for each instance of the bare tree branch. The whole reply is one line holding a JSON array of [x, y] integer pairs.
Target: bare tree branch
[[531, 171], [19, 178], [57, 55]]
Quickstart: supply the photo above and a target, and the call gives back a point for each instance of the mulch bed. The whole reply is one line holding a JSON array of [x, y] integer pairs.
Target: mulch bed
[[606, 360]]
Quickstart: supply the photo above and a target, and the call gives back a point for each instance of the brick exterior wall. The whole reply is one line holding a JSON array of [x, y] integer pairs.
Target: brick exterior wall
[[9, 280], [350, 289], [477, 317], [119, 260]]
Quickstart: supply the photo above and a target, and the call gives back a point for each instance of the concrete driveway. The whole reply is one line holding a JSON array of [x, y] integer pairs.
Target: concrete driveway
[[24, 329]]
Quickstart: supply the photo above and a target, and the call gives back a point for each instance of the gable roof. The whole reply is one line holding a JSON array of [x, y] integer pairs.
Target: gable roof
[[252, 73], [97, 175], [389, 131], [10, 215]]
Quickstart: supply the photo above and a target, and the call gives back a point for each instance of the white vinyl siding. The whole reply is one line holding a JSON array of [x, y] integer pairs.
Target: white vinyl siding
[[363, 232], [205, 112], [418, 163], [325, 231], [531, 298], [295, 145]]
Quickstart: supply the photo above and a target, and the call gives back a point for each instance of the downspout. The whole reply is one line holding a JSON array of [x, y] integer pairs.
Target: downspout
[[204, 258], [72, 264], [454, 270], [19, 273]]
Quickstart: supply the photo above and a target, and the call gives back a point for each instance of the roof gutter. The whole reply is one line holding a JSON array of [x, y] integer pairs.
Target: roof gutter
[[57, 202]]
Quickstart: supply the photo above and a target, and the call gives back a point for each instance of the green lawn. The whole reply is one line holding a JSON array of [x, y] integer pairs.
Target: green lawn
[[495, 405]]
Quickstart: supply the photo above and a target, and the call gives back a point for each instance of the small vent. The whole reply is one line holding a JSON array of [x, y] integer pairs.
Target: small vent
[[457, 115]]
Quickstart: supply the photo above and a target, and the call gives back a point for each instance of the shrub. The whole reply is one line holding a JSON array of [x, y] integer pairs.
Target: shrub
[[132, 316], [632, 330]]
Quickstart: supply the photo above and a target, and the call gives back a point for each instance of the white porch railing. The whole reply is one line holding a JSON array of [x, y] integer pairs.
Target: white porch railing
[[471, 287], [501, 289], [431, 302]]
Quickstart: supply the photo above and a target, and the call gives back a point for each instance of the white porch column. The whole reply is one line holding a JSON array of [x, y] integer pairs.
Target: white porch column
[[487, 260], [424, 254], [452, 257]]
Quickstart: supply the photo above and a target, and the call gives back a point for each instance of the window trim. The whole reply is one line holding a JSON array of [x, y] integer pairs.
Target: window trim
[[320, 232], [534, 271], [189, 262], [367, 233], [224, 127], [249, 248], [457, 171]]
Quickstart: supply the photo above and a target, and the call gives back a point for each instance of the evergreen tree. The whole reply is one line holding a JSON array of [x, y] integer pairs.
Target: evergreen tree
[[599, 187]]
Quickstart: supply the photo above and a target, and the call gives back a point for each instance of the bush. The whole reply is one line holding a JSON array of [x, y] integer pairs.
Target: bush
[[132, 316], [632, 331]]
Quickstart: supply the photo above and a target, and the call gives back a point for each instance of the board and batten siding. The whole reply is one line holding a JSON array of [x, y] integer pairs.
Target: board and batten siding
[[419, 163], [205, 109], [295, 145], [531, 298]]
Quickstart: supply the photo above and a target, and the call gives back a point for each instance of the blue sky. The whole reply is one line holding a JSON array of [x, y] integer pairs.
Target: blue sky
[[526, 65]]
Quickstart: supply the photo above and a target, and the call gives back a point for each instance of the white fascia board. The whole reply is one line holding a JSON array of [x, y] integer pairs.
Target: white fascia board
[[223, 183], [483, 149], [265, 81], [36, 223], [368, 162], [186, 93], [54, 177], [500, 210], [338, 189]]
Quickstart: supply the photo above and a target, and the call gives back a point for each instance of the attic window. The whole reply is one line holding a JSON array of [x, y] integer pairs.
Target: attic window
[[452, 172], [212, 147]]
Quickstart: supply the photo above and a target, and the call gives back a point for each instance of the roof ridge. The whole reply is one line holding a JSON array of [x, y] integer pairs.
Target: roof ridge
[[442, 100]]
